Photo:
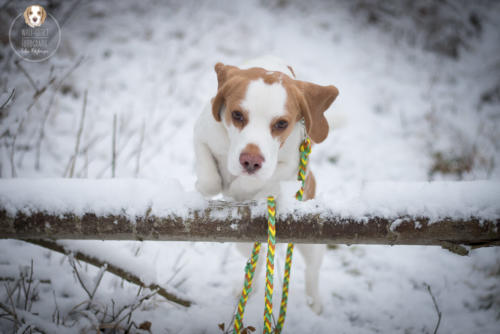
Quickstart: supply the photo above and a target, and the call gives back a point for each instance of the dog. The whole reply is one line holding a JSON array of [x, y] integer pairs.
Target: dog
[[247, 140], [34, 16]]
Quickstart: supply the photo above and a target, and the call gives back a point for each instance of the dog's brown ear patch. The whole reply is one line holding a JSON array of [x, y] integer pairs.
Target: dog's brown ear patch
[[217, 103], [223, 72], [26, 18], [317, 99], [44, 15]]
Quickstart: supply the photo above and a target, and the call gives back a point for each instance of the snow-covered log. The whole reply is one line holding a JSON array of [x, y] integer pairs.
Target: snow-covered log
[[418, 213]]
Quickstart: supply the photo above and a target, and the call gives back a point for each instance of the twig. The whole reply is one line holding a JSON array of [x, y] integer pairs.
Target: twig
[[38, 94], [113, 148], [27, 289], [129, 277], [102, 270], [6, 103], [56, 314], [8, 310], [133, 307], [27, 75], [78, 135], [85, 151], [435, 306], [177, 267], [12, 312], [48, 108], [124, 141], [139, 148], [77, 274], [12, 279], [69, 13]]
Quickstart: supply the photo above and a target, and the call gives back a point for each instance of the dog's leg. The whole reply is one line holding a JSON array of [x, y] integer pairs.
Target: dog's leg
[[313, 257], [209, 182]]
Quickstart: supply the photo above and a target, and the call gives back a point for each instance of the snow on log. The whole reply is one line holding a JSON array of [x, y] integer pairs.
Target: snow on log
[[393, 213]]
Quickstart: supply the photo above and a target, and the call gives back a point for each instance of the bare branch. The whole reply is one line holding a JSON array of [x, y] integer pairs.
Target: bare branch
[[139, 148], [9, 99], [77, 274], [78, 136], [113, 148], [129, 277], [435, 306], [20, 321], [49, 107], [27, 75]]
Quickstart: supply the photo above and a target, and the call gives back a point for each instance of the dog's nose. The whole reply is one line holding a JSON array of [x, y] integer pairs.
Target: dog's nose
[[251, 162], [34, 19]]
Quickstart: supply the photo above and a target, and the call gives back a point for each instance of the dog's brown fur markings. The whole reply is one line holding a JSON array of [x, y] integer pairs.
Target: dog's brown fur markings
[[310, 187], [304, 99]]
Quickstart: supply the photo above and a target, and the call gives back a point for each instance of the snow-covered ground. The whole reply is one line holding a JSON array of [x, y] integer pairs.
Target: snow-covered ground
[[403, 114]]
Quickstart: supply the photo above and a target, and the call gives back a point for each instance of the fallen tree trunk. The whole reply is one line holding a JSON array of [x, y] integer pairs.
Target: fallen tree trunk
[[237, 222]]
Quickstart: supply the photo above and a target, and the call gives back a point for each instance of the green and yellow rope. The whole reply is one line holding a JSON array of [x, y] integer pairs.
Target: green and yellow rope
[[286, 282], [271, 246], [305, 150], [247, 287]]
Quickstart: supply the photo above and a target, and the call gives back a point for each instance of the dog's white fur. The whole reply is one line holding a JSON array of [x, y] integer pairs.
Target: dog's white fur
[[218, 145], [34, 16]]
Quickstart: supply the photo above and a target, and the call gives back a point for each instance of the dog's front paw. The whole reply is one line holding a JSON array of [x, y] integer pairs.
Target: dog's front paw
[[315, 305], [209, 187]]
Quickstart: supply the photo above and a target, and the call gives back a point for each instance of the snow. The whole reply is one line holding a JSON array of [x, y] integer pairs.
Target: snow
[[438, 199], [129, 197], [136, 197], [151, 64]]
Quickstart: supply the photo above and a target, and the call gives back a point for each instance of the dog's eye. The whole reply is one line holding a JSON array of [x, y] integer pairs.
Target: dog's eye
[[38, 13], [281, 124], [31, 12], [237, 116]]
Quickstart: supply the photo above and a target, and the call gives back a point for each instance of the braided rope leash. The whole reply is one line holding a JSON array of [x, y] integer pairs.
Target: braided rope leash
[[271, 247], [305, 150], [247, 287]]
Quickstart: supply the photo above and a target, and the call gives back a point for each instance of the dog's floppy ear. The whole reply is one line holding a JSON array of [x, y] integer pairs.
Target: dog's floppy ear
[[217, 103], [44, 15], [317, 99], [26, 18], [223, 74]]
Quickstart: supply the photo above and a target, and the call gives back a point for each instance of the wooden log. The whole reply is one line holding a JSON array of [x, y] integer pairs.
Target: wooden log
[[245, 222]]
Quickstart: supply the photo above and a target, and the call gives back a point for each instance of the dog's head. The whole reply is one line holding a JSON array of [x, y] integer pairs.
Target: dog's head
[[35, 15], [260, 108]]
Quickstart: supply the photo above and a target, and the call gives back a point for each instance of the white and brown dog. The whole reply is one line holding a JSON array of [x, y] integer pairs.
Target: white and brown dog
[[247, 141], [34, 16]]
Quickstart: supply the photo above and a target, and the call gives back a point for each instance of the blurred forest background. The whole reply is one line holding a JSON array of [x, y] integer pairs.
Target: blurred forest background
[[419, 100]]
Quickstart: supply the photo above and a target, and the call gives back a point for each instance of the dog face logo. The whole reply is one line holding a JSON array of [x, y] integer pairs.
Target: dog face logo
[[35, 15]]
